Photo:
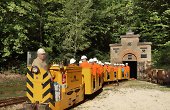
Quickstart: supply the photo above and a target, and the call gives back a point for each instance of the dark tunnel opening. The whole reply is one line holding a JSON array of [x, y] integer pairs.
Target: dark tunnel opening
[[133, 68]]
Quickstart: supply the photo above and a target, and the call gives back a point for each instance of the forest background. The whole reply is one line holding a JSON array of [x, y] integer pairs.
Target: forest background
[[71, 28]]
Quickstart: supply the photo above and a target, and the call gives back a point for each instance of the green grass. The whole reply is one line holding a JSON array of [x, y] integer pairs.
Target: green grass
[[144, 85], [12, 88]]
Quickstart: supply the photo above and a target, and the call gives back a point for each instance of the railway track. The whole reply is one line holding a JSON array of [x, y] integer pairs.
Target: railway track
[[12, 101]]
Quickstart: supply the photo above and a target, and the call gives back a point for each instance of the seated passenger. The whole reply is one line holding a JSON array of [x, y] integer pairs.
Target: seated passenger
[[80, 62], [84, 63], [91, 62], [127, 69], [109, 67], [40, 61], [95, 66], [72, 62]]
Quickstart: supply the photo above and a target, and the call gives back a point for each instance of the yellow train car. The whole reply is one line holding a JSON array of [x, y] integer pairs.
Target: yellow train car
[[92, 82], [66, 89], [115, 74], [119, 72], [108, 74]]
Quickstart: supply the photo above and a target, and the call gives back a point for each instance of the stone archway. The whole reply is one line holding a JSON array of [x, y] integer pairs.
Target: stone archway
[[131, 59], [139, 52], [130, 51]]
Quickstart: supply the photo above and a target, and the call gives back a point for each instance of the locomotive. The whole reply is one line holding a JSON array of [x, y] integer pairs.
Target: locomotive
[[68, 87]]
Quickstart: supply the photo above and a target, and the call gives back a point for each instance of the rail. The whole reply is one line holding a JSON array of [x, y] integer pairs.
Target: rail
[[12, 101]]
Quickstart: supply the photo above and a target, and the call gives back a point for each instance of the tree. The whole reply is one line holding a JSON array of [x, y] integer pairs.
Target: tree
[[76, 15]]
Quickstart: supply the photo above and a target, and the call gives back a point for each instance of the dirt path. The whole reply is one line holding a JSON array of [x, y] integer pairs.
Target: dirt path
[[132, 95]]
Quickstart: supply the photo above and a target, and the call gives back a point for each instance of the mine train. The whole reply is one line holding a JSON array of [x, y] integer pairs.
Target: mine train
[[68, 87]]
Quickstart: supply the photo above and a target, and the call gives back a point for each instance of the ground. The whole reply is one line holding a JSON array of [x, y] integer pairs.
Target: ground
[[130, 95], [12, 85]]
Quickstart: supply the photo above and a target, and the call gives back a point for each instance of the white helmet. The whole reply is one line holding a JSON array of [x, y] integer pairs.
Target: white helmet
[[114, 64], [72, 61], [83, 57], [105, 63], [40, 51], [99, 62], [126, 63], [91, 60], [80, 62], [95, 59]]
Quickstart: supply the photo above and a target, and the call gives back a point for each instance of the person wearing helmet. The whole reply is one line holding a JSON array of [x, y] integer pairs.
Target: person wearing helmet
[[40, 61], [100, 70], [80, 62], [84, 63], [95, 66], [72, 62], [127, 70], [115, 70], [91, 62], [109, 67], [123, 70]]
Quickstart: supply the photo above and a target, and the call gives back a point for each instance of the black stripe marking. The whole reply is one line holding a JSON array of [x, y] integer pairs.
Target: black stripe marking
[[29, 82], [45, 75], [46, 83], [29, 92], [46, 92], [30, 73], [49, 100], [52, 102]]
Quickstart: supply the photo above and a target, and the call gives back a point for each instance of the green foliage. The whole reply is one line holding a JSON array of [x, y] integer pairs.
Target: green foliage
[[72, 28]]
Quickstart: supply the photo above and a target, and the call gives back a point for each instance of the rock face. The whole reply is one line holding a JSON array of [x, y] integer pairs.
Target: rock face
[[127, 98]]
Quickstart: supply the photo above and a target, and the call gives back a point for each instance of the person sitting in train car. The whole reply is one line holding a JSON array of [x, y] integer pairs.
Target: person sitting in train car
[[100, 70], [119, 67], [72, 62], [105, 66], [40, 61], [109, 67], [115, 69], [95, 66], [80, 63], [84, 63], [127, 69], [123, 70], [91, 62]]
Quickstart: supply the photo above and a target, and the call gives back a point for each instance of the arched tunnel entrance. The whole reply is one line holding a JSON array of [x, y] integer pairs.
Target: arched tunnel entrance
[[131, 59], [133, 68]]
